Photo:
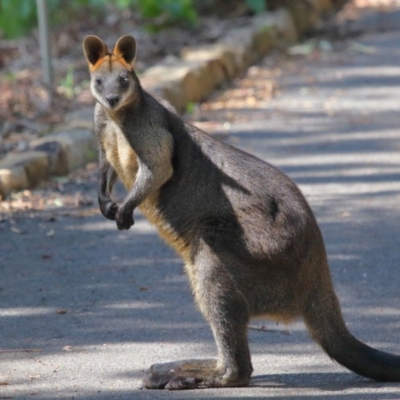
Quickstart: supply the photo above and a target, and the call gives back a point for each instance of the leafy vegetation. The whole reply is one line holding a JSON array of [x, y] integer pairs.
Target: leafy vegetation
[[23, 13], [257, 6], [158, 13], [170, 11]]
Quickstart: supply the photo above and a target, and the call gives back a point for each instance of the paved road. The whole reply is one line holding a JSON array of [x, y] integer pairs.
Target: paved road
[[95, 306]]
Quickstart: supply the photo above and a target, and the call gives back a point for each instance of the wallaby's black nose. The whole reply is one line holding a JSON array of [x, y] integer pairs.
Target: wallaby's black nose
[[112, 100]]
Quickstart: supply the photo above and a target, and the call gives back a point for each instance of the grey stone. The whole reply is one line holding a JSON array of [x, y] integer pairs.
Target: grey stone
[[58, 164], [20, 171], [79, 147]]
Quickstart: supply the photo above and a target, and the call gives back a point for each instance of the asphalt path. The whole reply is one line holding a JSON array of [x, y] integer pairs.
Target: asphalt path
[[85, 309]]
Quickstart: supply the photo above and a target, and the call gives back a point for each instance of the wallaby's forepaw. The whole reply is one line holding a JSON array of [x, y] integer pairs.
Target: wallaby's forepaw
[[190, 374], [124, 218], [109, 209]]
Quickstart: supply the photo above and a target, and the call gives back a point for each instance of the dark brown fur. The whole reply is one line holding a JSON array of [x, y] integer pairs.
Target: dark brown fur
[[249, 240]]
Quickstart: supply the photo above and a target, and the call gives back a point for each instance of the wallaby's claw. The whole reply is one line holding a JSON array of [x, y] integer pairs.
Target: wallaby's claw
[[112, 211], [124, 218], [108, 209]]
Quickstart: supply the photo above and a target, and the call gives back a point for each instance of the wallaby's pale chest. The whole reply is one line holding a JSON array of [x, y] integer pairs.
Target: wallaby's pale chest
[[120, 154], [123, 159]]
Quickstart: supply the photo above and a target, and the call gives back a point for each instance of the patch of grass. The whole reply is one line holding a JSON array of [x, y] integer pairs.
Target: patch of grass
[[190, 107], [67, 84]]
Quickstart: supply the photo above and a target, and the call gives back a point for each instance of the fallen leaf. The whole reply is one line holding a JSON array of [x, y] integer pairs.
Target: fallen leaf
[[15, 230], [50, 233], [58, 202]]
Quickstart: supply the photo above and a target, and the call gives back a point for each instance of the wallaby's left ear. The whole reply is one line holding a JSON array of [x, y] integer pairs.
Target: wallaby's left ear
[[126, 48], [94, 49]]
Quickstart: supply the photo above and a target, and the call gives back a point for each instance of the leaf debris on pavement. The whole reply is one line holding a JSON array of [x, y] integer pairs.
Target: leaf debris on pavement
[[50, 233]]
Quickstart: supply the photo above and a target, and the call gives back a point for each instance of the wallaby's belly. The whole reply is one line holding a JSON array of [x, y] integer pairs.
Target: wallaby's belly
[[180, 244]]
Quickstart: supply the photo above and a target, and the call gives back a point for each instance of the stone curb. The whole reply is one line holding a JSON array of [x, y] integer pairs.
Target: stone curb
[[204, 68], [188, 80]]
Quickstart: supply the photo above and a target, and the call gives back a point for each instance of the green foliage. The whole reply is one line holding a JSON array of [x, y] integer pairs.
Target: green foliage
[[167, 12], [9, 76], [16, 17], [190, 107], [257, 6], [62, 11], [182, 9], [124, 3]]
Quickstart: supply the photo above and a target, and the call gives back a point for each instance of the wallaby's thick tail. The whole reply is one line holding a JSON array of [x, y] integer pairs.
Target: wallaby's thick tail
[[326, 325]]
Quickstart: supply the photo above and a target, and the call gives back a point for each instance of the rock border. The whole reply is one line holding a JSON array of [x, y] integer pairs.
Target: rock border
[[190, 79]]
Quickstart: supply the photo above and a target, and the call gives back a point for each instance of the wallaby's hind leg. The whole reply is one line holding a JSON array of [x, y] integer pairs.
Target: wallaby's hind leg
[[233, 368], [227, 314]]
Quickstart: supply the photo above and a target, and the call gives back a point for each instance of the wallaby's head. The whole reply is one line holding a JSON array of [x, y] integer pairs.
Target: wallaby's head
[[113, 81]]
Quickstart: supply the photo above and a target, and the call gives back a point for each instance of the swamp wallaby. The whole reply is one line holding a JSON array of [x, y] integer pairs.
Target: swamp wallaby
[[249, 240]]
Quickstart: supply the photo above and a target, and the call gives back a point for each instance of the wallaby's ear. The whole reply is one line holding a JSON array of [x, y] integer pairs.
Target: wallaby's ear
[[94, 49], [126, 48]]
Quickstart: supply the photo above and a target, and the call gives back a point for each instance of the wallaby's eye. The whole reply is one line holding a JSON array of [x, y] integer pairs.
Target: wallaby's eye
[[98, 81], [124, 81]]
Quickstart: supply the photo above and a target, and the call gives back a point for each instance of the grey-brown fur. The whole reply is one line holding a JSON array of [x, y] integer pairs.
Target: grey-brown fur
[[249, 240]]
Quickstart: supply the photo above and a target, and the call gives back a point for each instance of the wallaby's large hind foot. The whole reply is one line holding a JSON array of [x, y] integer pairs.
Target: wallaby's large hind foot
[[191, 374]]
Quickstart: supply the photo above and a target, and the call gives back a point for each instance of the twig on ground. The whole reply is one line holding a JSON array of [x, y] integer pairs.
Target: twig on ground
[[4, 351], [262, 328]]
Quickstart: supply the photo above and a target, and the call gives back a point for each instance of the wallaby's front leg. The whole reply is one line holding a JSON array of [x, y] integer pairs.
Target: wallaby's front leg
[[154, 169], [143, 185], [106, 179]]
